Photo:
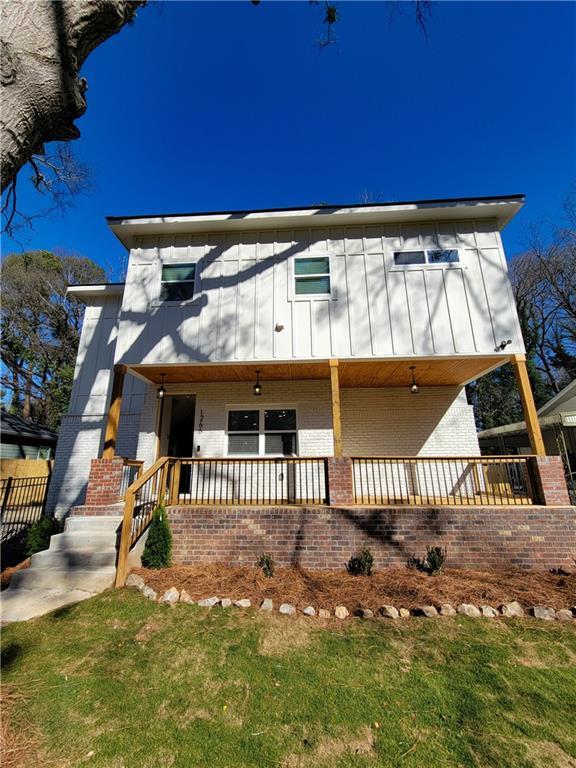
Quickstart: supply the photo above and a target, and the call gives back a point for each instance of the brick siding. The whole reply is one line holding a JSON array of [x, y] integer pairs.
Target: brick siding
[[104, 481], [550, 480], [324, 537]]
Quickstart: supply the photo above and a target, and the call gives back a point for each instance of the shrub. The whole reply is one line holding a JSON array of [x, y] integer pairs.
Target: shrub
[[434, 561], [267, 564], [39, 533], [361, 563], [158, 548]]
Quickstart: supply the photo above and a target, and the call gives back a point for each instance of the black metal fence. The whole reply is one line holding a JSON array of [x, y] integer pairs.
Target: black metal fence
[[23, 501]]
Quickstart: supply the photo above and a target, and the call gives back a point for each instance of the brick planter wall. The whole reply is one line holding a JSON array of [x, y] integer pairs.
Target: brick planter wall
[[325, 537]]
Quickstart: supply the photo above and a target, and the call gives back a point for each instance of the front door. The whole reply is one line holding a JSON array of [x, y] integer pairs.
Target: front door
[[181, 435]]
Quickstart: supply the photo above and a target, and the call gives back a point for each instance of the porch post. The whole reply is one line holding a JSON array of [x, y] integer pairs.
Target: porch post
[[528, 406], [114, 412], [336, 422]]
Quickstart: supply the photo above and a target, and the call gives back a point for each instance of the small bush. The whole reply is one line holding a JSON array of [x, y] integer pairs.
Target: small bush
[[435, 558], [361, 564], [158, 548], [267, 564], [39, 533]]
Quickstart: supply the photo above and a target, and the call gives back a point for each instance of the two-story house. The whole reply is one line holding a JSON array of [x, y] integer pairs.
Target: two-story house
[[299, 357]]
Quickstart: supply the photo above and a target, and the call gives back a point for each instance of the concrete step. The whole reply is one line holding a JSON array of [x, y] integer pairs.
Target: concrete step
[[23, 604], [87, 579], [74, 558], [96, 523], [97, 540]]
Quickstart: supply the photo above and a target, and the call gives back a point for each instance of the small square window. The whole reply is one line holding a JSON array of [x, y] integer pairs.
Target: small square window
[[279, 420], [177, 282], [405, 258], [312, 275]]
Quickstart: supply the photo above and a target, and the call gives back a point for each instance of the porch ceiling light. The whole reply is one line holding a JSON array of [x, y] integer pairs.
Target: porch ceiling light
[[414, 388], [257, 388], [161, 391]]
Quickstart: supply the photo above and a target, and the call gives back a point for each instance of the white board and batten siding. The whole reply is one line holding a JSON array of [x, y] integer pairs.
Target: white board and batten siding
[[245, 290]]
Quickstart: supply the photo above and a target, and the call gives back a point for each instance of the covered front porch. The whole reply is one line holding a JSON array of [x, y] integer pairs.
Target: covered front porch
[[378, 407], [237, 435]]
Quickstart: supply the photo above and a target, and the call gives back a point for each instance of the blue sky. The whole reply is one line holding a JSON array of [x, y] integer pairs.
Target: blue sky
[[211, 106]]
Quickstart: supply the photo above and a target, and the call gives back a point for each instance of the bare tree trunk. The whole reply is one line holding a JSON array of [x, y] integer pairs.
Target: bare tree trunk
[[43, 46]]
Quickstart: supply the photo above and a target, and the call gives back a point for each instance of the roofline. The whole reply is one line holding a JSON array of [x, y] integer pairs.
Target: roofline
[[326, 207], [558, 396], [94, 289], [500, 209]]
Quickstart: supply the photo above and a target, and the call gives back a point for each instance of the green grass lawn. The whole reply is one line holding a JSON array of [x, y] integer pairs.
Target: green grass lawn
[[139, 684]]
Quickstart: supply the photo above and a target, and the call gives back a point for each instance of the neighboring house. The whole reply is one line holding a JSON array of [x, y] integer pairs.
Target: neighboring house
[[337, 311], [557, 420], [21, 439]]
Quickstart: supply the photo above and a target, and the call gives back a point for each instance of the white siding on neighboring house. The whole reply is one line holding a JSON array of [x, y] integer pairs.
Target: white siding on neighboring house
[[245, 289]]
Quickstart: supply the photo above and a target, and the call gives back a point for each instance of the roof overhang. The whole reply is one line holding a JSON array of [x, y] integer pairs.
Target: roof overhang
[[501, 209], [374, 372], [97, 289]]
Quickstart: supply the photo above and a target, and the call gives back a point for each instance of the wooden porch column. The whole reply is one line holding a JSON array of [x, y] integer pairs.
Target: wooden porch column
[[336, 422], [528, 406], [114, 412]]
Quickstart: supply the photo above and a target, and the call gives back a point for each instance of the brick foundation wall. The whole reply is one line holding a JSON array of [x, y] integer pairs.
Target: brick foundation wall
[[104, 481], [323, 537], [550, 480]]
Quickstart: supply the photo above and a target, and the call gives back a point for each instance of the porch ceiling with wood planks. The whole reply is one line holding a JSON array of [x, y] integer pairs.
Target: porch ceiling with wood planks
[[352, 373]]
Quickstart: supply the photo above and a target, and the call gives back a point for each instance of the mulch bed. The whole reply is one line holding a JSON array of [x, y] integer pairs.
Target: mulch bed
[[6, 574], [401, 587]]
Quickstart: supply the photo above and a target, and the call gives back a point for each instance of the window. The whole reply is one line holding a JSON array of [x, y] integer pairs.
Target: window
[[402, 258], [243, 432], [312, 275], [441, 256], [264, 432], [177, 282]]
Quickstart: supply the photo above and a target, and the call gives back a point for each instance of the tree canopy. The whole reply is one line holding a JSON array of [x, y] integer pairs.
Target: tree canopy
[[40, 331]]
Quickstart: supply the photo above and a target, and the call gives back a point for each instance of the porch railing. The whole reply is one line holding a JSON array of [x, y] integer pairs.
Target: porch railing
[[217, 482], [492, 480], [131, 471], [251, 481]]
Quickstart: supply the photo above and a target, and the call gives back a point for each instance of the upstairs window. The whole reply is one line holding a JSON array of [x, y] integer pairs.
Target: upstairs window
[[177, 282], [312, 275], [436, 256]]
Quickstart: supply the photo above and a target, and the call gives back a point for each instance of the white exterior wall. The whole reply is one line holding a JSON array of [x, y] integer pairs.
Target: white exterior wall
[[244, 288], [375, 422]]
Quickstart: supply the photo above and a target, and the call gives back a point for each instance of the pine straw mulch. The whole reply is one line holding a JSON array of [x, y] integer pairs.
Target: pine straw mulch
[[18, 748], [6, 574], [401, 587]]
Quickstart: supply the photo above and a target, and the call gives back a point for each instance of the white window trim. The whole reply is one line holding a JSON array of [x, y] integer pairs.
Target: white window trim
[[261, 431], [331, 295], [427, 264], [197, 289]]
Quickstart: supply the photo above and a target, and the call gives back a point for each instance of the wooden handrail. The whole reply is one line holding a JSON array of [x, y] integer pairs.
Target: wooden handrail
[[126, 539]]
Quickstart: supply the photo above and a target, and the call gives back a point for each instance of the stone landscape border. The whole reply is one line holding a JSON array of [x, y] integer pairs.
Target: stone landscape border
[[506, 610]]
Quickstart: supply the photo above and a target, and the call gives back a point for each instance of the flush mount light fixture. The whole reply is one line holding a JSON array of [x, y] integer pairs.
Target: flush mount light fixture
[[257, 388], [161, 391], [503, 344], [414, 388]]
